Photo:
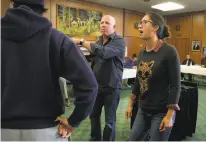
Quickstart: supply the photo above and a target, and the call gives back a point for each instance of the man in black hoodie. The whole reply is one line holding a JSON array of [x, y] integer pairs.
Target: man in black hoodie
[[34, 56]]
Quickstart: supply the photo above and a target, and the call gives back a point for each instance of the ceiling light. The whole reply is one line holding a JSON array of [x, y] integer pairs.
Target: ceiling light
[[168, 6]]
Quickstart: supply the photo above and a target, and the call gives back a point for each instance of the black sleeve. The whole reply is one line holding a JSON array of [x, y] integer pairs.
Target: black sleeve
[[76, 69], [173, 66], [184, 62], [193, 62], [114, 49]]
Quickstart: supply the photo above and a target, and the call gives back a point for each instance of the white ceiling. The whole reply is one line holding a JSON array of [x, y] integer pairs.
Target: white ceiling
[[141, 6]]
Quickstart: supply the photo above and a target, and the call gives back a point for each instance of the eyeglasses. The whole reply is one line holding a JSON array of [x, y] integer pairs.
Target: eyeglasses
[[144, 22]]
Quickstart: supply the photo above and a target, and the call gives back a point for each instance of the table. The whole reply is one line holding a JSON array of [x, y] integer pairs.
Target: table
[[129, 73], [197, 70]]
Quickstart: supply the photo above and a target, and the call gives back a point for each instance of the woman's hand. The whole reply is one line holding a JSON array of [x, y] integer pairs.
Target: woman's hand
[[166, 123], [128, 113]]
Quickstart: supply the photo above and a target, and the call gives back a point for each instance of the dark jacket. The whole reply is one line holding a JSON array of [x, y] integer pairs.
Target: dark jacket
[[34, 56], [189, 62], [108, 62], [196, 47]]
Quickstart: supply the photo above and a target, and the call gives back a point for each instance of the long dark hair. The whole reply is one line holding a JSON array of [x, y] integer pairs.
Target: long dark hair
[[158, 20]]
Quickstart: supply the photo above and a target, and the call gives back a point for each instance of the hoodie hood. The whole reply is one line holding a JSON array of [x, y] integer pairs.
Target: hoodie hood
[[40, 2], [21, 23]]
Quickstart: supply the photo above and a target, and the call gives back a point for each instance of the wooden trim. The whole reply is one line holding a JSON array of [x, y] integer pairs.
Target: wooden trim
[[132, 37], [123, 23], [191, 29], [178, 38], [186, 14], [104, 5], [93, 3], [77, 7], [134, 12]]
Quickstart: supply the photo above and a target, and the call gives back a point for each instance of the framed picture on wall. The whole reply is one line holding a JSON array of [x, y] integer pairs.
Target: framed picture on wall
[[196, 45], [177, 27], [78, 23]]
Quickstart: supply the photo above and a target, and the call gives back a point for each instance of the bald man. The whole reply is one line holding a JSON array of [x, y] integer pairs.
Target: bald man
[[109, 53]]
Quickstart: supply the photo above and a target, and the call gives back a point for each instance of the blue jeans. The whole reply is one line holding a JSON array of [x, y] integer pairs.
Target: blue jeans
[[109, 98], [146, 126]]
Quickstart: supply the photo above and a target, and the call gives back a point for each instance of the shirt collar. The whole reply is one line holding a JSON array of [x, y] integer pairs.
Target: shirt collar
[[157, 46], [112, 36]]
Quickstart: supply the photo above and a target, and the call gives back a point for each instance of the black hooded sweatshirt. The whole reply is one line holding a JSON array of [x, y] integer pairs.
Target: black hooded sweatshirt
[[33, 57]]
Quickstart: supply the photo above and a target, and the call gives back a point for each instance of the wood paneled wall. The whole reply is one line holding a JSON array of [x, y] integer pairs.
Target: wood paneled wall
[[131, 35], [4, 5], [192, 27], [134, 45], [180, 44], [185, 29]]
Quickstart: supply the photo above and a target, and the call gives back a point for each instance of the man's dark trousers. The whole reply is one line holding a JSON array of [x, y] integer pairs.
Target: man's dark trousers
[[109, 98]]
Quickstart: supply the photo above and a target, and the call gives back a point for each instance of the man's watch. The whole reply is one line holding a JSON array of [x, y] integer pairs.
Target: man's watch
[[81, 41]]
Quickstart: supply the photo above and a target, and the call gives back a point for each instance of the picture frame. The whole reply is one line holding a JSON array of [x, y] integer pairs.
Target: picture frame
[[177, 27], [77, 22], [196, 45]]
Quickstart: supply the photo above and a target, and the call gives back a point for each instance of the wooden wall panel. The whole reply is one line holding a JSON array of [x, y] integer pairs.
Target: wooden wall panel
[[184, 31], [4, 5], [204, 33], [131, 34], [204, 36], [181, 44], [134, 45], [170, 41], [192, 27], [130, 20], [48, 13], [197, 26], [198, 32]]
